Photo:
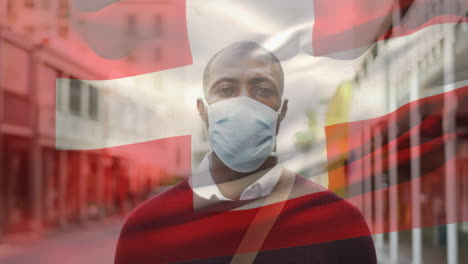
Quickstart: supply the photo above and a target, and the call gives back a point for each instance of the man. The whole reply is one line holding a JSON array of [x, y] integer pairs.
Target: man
[[241, 206]]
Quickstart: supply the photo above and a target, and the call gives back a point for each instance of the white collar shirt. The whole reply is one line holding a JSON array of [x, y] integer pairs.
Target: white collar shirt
[[203, 184]]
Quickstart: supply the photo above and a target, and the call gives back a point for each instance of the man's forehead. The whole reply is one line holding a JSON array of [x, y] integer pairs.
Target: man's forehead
[[244, 54], [235, 65]]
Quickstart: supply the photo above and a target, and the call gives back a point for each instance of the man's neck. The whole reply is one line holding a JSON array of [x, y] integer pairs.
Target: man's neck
[[232, 183]]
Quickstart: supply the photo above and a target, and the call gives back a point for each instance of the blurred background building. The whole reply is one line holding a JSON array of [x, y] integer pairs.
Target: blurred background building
[[392, 74], [42, 186], [433, 62]]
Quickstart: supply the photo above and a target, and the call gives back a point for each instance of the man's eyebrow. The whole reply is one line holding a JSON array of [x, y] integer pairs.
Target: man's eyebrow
[[261, 79], [224, 79]]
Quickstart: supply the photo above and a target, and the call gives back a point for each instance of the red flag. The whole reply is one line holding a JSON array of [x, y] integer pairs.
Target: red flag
[[48, 49], [126, 38], [355, 160], [352, 26]]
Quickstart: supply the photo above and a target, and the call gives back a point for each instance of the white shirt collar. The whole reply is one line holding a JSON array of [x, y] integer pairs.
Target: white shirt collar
[[203, 185]]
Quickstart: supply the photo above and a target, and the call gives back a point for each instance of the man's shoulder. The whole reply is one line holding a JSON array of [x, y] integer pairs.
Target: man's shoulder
[[324, 210], [172, 193], [143, 231], [177, 198], [317, 196]]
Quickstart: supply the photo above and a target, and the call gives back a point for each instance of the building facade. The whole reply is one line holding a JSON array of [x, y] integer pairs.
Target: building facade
[[392, 74], [58, 157]]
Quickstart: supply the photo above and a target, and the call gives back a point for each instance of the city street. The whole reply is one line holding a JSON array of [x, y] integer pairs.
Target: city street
[[94, 243]]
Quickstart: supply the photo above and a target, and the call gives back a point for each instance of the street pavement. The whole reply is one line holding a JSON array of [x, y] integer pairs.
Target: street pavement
[[93, 243]]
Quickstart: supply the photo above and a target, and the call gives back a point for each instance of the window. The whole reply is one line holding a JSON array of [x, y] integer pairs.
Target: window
[[364, 68], [132, 25], [158, 25], [29, 3], [375, 51], [14, 69], [75, 96], [63, 9], [356, 79], [10, 7], [93, 109], [61, 84], [82, 23], [63, 30], [464, 26], [46, 4]]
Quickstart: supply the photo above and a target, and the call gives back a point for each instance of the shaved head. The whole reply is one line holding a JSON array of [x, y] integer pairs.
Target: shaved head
[[244, 50]]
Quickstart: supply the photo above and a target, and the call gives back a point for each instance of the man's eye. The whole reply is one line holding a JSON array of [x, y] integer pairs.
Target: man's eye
[[263, 91], [225, 91]]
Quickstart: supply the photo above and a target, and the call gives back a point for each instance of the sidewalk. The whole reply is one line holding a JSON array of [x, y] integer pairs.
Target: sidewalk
[[431, 254], [94, 243]]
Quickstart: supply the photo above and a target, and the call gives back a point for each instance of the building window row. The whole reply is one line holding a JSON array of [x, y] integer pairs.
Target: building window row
[[29, 3], [133, 25], [76, 96]]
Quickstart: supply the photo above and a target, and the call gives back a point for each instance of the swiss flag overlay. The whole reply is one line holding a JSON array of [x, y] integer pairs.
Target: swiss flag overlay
[[120, 177], [122, 44], [77, 140], [359, 152], [119, 39], [342, 26]]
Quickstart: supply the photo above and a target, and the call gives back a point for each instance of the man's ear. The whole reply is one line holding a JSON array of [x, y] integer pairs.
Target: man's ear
[[282, 114], [202, 110]]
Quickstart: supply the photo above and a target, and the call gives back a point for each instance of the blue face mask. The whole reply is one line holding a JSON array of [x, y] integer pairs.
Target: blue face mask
[[242, 132]]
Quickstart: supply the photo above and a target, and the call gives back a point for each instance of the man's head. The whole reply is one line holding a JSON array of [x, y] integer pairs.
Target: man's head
[[243, 86], [244, 69]]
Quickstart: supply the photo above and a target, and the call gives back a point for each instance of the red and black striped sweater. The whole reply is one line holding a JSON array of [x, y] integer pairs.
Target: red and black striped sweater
[[314, 228]]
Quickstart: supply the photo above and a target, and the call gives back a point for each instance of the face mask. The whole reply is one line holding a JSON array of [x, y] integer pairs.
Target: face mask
[[242, 132]]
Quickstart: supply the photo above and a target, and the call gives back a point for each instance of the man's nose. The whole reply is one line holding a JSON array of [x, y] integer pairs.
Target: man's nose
[[243, 91]]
